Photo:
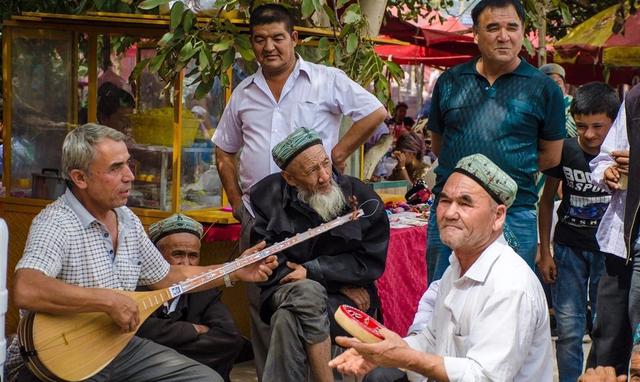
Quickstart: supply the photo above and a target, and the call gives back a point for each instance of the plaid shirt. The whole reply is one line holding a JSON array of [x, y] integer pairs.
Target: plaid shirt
[[66, 242]]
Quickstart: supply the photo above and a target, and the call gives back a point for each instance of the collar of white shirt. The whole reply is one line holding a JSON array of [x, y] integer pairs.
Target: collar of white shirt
[[479, 270], [302, 66]]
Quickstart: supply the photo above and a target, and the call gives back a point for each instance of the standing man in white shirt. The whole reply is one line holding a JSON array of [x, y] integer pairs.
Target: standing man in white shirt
[[490, 320], [284, 94], [615, 170]]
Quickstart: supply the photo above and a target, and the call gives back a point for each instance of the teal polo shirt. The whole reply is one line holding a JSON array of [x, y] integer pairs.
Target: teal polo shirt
[[503, 121]]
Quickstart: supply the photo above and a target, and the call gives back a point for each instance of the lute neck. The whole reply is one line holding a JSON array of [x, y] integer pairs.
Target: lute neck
[[214, 274]]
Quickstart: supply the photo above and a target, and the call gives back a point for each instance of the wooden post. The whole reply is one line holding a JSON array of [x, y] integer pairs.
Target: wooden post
[[542, 33]]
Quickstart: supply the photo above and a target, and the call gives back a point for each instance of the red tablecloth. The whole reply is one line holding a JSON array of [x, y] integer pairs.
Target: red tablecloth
[[221, 232], [405, 277]]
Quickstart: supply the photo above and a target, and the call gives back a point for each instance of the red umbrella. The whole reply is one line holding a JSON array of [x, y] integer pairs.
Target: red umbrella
[[415, 54], [428, 46], [594, 42]]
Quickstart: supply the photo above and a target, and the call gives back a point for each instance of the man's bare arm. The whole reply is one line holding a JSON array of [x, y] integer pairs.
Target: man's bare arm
[[356, 136], [549, 153], [436, 143], [227, 165], [393, 351], [546, 264], [35, 291], [256, 272]]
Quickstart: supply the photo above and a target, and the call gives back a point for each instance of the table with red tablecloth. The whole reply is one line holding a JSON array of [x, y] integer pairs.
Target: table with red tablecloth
[[221, 232], [405, 277]]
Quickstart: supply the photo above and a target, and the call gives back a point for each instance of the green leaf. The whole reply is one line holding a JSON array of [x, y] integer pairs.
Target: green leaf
[[139, 68], [156, 62], [247, 54], [351, 17], [203, 89], [176, 14], [307, 8], [352, 43], [342, 3], [329, 12], [323, 44], [187, 51], [528, 46], [394, 69], [243, 41], [566, 14], [203, 59], [150, 4], [187, 22], [227, 59], [222, 45], [220, 3], [165, 39], [224, 80], [123, 7]]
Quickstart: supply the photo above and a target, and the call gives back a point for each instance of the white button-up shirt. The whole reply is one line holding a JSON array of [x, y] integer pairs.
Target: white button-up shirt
[[314, 96], [492, 323], [610, 233]]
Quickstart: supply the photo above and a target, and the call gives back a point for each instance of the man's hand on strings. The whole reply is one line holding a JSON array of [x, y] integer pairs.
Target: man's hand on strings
[[259, 271]]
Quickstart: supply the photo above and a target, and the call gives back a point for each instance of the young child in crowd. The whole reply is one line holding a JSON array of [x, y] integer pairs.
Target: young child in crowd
[[577, 262]]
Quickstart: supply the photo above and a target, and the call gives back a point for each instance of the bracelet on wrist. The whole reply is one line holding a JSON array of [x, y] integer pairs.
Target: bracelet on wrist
[[227, 277]]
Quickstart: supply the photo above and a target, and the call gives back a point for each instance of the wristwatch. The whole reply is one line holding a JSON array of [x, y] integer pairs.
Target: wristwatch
[[227, 277]]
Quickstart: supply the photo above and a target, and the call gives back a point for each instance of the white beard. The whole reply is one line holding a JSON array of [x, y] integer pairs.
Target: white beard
[[328, 205]]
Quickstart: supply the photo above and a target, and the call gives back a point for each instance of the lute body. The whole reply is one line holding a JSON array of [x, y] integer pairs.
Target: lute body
[[74, 347]]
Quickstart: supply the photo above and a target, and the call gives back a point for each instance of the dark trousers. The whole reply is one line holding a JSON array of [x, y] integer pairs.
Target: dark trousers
[[612, 336], [386, 374], [143, 360]]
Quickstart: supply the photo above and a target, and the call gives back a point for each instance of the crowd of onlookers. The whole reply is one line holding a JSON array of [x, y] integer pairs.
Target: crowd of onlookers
[[405, 147]]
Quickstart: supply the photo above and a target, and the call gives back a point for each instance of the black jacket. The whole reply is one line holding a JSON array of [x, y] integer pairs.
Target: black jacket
[[352, 254], [218, 348]]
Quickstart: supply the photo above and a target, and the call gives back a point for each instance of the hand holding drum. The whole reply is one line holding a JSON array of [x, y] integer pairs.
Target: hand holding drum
[[359, 324]]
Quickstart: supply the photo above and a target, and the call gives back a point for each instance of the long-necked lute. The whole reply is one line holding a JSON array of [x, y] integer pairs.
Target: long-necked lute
[[74, 347]]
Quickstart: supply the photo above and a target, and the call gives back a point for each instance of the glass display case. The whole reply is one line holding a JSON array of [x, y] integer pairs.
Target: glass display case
[[41, 63], [62, 71], [60, 79]]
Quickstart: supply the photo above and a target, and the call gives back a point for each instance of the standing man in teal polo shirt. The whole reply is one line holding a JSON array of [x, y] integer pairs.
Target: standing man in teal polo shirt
[[500, 106]]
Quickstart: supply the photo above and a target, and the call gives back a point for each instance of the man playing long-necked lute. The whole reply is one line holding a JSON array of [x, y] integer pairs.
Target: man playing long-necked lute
[[87, 244]]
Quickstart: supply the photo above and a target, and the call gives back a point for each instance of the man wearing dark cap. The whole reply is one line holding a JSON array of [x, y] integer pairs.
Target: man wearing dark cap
[[198, 324], [558, 75], [490, 320], [316, 276]]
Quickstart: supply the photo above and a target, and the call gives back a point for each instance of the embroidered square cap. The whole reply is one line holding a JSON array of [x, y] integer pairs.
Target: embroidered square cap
[[174, 224], [295, 143], [487, 174]]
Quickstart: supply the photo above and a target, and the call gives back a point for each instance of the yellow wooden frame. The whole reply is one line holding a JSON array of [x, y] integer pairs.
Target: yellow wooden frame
[[145, 26]]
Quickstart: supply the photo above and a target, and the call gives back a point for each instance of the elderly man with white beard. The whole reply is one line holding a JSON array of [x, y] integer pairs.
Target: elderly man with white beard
[[316, 276]]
